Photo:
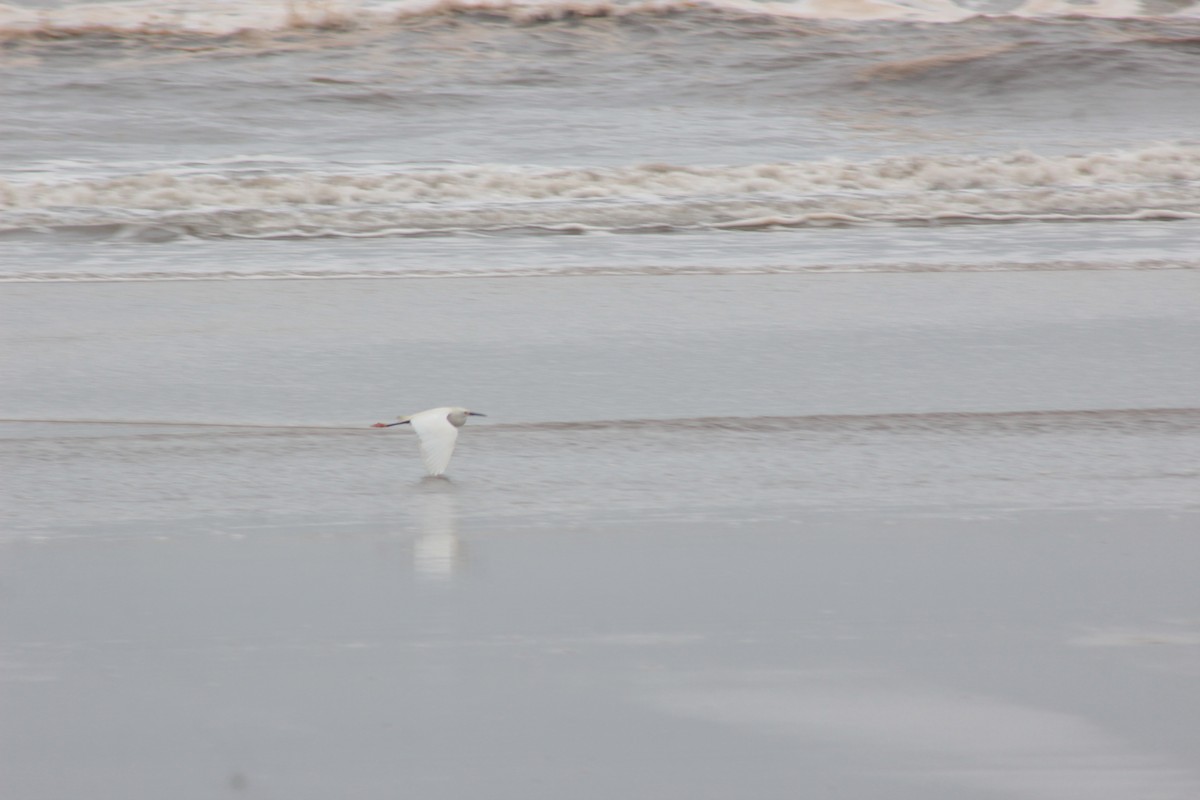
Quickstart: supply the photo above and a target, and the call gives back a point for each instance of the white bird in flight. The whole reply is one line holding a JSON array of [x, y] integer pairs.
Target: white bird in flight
[[437, 429]]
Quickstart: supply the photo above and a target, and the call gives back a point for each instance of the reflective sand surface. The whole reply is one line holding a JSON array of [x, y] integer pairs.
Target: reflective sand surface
[[838, 536], [1040, 655]]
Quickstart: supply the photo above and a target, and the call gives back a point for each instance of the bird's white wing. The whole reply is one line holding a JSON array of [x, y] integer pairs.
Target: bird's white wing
[[437, 440]]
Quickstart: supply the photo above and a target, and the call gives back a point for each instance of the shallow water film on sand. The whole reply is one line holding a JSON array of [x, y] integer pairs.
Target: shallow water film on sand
[[839, 364]]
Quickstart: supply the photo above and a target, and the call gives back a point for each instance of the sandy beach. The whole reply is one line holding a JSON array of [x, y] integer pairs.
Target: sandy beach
[[714, 539], [863, 654]]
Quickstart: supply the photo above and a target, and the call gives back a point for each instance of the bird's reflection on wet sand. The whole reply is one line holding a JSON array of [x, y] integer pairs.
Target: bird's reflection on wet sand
[[437, 550]]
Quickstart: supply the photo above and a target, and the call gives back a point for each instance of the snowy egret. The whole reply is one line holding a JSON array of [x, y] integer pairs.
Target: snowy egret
[[437, 429]]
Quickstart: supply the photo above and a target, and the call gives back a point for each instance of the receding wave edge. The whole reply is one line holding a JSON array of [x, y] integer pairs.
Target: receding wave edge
[[598, 271], [945, 420]]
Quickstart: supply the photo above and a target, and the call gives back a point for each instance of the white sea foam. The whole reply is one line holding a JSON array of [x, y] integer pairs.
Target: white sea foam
[[233, 16], [1156, 182]]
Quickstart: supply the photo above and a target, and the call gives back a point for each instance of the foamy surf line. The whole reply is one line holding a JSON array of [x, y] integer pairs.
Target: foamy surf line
[[187, 17], [1156, 182], [597, 271]]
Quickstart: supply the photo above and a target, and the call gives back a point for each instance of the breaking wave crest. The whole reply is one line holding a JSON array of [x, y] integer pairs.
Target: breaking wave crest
[[1158, 182], [180, 17]]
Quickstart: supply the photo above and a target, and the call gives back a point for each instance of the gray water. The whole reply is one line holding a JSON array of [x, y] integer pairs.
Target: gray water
[[458, 137], [689, 85]]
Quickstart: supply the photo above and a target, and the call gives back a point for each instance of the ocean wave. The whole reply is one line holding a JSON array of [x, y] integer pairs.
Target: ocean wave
[[188, 17], [1157, 182]]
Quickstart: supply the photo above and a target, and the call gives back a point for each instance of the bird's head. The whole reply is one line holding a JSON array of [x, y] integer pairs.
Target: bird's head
[[458, 416]]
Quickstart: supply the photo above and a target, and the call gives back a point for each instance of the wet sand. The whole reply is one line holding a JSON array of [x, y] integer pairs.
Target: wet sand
[[876, 544], [854, 654], [351, 352]]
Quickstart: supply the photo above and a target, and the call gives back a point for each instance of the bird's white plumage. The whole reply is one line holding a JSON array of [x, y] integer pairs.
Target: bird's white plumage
[[438, 436], [437, 429]]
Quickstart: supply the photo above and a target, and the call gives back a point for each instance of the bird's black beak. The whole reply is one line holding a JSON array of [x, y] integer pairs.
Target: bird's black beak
[[475, 414]]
